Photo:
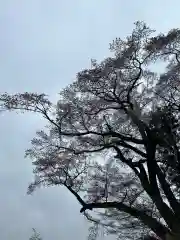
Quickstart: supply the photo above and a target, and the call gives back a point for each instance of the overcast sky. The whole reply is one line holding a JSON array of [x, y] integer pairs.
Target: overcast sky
[[43, 44]]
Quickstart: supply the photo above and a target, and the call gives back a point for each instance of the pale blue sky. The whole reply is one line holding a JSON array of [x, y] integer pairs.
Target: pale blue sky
[[43, 44]]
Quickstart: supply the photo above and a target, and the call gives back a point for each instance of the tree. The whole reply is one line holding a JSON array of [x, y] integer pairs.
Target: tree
[[113, 137], [35, 235]]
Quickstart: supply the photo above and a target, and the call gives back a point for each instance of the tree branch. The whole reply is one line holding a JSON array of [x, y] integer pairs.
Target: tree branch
[[168, 192], [149, 221], [134, 83], [153, 190], [128, 146]]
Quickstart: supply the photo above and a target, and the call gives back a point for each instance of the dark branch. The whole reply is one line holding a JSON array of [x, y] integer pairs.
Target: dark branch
[[134, 84], [151, 222]]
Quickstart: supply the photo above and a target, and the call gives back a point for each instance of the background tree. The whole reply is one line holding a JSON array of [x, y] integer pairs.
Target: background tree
[[35, 235], [113, 138]]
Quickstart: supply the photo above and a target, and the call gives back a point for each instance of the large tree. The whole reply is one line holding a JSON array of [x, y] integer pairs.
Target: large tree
[[113, 137]]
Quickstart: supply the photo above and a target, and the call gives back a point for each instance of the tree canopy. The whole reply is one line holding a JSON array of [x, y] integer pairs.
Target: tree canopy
[[113, 137]]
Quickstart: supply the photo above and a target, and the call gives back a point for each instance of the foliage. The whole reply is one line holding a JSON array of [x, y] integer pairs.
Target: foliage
[[113, 137]]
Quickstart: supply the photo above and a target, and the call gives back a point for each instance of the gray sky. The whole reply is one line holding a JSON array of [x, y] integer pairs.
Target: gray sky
[[43, 44]]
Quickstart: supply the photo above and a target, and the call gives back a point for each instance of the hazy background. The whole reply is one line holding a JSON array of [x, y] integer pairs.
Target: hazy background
[[43, 44]]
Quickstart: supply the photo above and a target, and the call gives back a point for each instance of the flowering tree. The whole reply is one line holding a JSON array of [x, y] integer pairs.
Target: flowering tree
[[113, 138]]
